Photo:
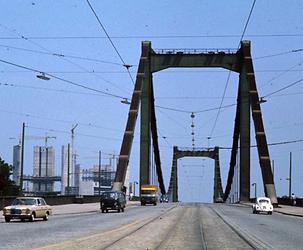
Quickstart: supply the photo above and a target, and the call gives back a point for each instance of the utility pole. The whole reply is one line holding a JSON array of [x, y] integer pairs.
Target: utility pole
[[273, 170], [99, 173], [73, 154], [290, 163], [255, 184], [68, 167], [22, 157]]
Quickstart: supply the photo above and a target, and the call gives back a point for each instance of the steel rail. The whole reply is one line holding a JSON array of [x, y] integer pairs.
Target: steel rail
[[137, 229]]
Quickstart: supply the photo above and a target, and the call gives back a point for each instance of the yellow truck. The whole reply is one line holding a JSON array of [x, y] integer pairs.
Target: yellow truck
[[149, 194]]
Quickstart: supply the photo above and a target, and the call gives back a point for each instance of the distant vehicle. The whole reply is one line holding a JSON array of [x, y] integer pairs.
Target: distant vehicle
[[112, 200], [164, 198], [263, 204], [27, 208], [149, 194]]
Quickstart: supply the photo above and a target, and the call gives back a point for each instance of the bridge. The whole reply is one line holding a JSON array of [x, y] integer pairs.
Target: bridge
[[248, 103]]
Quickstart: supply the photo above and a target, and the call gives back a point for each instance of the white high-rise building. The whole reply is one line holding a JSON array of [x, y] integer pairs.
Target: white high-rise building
[[44, 166], [67, 170], [17, 164]]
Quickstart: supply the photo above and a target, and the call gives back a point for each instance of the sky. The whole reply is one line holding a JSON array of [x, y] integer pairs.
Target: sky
[[64, 39]]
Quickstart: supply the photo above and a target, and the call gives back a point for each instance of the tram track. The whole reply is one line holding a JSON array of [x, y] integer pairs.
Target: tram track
[[131, 232], [248, 238], [189, 224]]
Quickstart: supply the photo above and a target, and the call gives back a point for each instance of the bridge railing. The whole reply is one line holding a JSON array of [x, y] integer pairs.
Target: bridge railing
[[196, 51]]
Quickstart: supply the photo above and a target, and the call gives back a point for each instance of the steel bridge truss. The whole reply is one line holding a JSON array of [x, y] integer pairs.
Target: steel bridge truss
[[211, 153], [239, 61]]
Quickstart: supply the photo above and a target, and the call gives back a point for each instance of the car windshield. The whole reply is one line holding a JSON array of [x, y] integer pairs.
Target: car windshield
[[107, 195], [24, 202], [263, 201]]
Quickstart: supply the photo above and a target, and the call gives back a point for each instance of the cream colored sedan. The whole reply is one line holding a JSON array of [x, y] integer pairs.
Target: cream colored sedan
[[27, 208]]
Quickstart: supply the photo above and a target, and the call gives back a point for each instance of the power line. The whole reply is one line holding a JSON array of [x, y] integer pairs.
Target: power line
[[229, 73], [62, 79], [78, 134], [56, 120], [279, 54], [50, 89], [221, 103], [247, 21], [282, 73], [164, 72], [198, 111], [151, 37], [127, 66], [286, 87], [60, 55], [271, 144]]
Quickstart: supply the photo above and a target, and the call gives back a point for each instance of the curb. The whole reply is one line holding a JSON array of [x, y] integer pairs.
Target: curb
[[290, 214], [89, 211], [275, 210]]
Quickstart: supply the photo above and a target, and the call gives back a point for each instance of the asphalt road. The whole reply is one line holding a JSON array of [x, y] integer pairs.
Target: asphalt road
[[166, 226], [275, 231]]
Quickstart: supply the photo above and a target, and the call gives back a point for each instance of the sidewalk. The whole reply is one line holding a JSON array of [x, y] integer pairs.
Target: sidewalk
[[289, 210], [83, 208]]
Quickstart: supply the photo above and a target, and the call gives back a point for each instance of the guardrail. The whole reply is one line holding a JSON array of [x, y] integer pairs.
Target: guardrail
[[54, 200], [196, 51]]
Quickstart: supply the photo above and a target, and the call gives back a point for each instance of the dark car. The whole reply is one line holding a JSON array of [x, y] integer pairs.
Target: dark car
[[112, 200]]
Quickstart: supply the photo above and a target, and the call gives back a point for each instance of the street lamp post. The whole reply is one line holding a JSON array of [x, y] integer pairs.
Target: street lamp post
[[289, 178], [99, 173], [255, 184], [22, 158], [135, 182]]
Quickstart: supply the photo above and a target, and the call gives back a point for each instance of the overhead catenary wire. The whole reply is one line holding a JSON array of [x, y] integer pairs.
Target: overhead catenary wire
[[286, 87], [78, 134], [229, 73], [270, 144], [153, 36], [57, 120], [55, 54], [127, 66], [61, 79], [60, 55], [51, 89], [164, 72], [279, 54], [282, 73]]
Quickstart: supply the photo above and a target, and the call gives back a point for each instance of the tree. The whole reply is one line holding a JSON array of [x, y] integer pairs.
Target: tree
[[7, 186]]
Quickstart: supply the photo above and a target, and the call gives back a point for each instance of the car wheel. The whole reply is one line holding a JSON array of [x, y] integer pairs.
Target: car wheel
[[270, 213], [32, 217], [102, 210], [45, 218], [118, 210], [122, 209], [155, 204], [7, 219], [22, 220]]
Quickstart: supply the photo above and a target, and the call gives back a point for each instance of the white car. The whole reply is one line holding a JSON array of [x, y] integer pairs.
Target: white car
[[263, 204]]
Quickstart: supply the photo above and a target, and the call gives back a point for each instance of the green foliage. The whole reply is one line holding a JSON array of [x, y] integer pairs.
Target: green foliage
[[7, 186]]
